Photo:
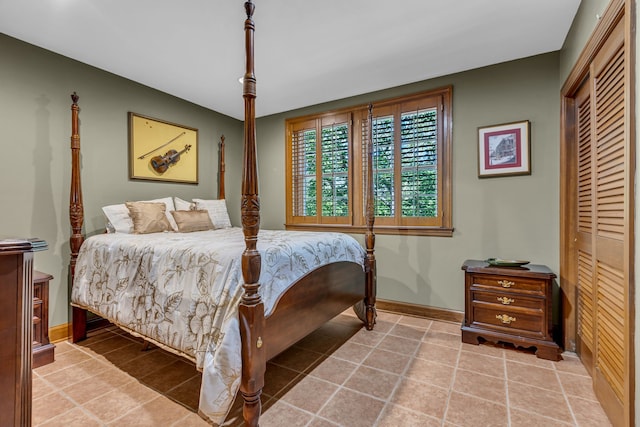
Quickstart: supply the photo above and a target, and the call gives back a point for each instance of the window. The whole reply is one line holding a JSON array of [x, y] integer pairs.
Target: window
[[326, 167]]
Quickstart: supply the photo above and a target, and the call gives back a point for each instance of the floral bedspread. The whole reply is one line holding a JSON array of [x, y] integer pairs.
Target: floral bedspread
[[182, 290]]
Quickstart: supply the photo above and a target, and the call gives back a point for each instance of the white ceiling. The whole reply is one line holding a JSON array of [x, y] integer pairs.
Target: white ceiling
[[306, 52]]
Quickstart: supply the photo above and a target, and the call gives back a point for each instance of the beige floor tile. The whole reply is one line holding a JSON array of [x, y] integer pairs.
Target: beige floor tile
[[317, 342], [49, 406], [430, 372], [487, 365], [118, 402], [353, 409], [75, 373], [157, 412], [470, 411], [421, 397], [187, 393], [533, 375], [383, 326], [310, 394], [352, 352], [170, 376], [120, 355], [297, 358], [97, 385], [588, 413], [418, 322], [521, 418], [539, 401], [282, 414], [448, 327], [63, 361], [321, 422], [528, 357], [63, 347], [572, 364], [105, 343], [438, 353], [399, 345], [370, 338], [40, 388], [334, 370], [442, 338], [387, 361], [379, 384], [152, 361], [193, 420], [388, 316], [76, 417], [487, 349], [577, 385], [408, 331], [483, 386], [277, 379], [395, 416]]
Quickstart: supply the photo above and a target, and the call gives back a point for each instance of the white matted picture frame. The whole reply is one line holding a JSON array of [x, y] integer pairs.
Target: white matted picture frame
[[504, 150]]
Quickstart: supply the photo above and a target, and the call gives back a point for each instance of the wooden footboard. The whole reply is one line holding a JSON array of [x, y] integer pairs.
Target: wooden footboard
[[312, 301]]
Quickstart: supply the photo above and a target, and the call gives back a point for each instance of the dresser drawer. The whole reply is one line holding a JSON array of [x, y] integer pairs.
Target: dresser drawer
[[510, 320], [512, 284], [508, 299]]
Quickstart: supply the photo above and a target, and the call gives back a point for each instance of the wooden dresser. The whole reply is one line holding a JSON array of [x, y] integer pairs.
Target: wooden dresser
[[16, 329], [511, 305], [43, 350]]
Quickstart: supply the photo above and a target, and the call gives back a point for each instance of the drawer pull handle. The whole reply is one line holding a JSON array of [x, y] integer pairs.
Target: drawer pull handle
[[506, 283], [505, 318], [505, 300]]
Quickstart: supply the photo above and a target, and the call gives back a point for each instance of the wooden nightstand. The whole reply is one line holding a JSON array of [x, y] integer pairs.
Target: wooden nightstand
[[43, 350], [510, 304]]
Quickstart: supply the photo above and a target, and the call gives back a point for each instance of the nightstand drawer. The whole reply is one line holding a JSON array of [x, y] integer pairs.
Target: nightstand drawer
[[512, 284], [511, 299], [512, 321]]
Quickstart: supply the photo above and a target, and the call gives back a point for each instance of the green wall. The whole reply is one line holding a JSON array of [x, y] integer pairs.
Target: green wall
[[508, 217], [35, 88], [514, 217]]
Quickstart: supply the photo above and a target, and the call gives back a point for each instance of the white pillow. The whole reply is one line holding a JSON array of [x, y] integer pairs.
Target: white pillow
[[118, 218], [183, 205], [217, 210], [118, 215]]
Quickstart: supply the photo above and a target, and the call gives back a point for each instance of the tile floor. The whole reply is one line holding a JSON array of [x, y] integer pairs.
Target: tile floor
[[407, 372]]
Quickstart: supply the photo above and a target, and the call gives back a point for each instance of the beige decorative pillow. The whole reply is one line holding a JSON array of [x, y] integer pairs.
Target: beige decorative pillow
[[148, 217], [189, 221]]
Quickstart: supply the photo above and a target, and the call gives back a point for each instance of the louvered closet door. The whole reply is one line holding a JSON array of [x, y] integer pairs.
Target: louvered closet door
[[603, 228]]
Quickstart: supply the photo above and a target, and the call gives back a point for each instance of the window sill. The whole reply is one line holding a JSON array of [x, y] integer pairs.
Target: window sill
[[391, 230]]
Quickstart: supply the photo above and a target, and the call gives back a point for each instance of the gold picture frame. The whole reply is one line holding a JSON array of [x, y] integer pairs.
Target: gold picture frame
[[162, 151]]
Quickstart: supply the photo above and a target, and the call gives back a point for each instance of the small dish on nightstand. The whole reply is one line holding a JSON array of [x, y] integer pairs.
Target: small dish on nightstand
[[499, 262]]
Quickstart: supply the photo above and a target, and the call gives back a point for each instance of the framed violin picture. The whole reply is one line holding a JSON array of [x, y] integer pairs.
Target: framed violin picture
[[162, 151]]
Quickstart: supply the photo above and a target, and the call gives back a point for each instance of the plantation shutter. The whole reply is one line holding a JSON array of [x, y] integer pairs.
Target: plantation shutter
[[304, 178]]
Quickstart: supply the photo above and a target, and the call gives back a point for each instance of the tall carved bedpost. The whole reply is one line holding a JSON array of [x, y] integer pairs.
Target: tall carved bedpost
[[221, 169], [370, 237], [251, 309], [76, 216]]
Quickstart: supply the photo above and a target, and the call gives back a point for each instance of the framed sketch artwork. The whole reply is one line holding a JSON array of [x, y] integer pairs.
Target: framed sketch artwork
[[504, 150], [162, 151]]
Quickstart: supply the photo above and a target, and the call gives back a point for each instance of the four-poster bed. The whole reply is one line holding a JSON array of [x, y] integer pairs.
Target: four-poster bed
[[266, 322]]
